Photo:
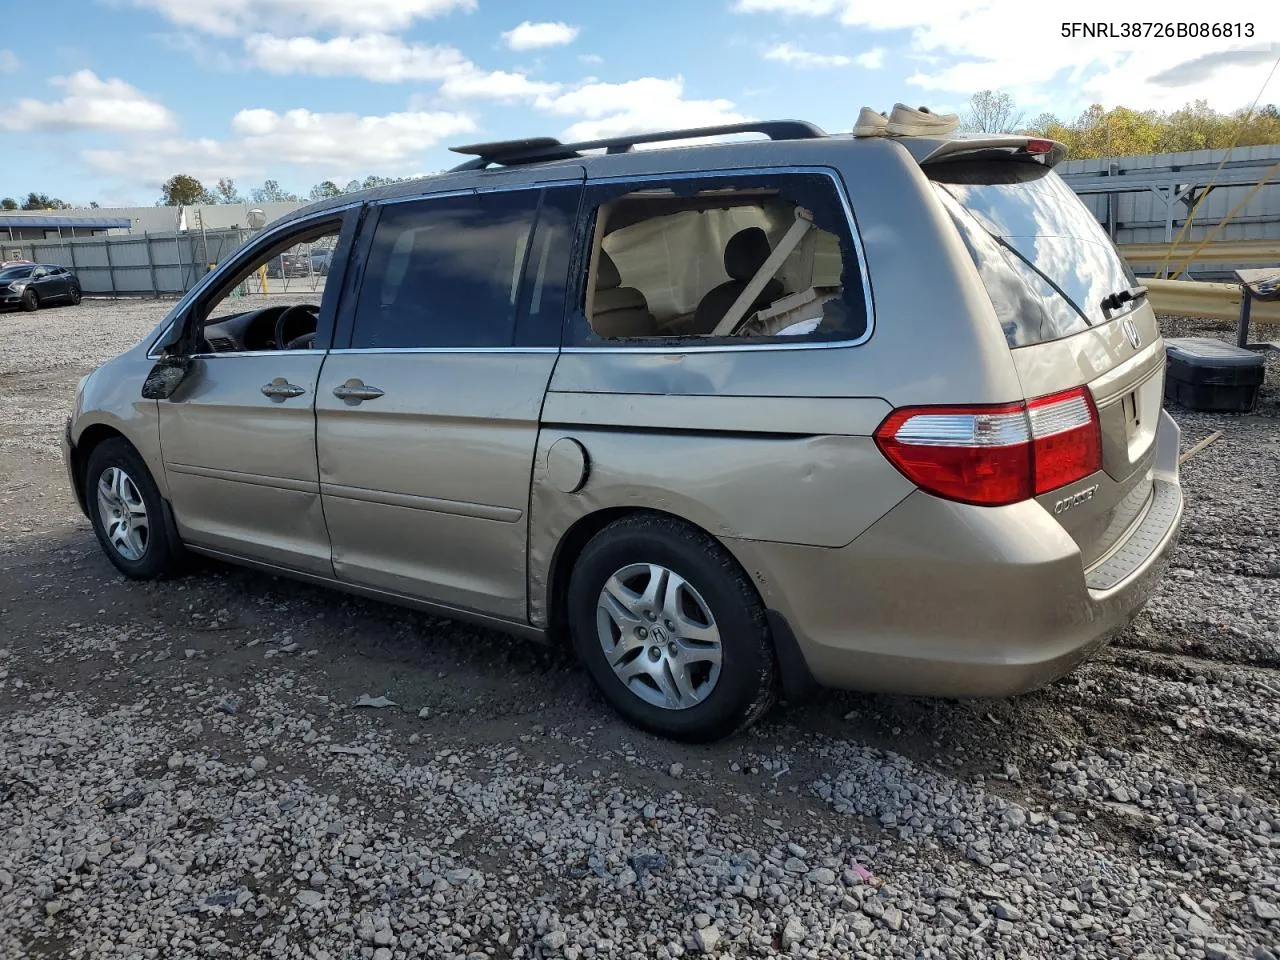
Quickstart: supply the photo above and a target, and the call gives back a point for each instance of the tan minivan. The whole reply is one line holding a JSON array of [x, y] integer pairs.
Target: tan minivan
[[877, 413]]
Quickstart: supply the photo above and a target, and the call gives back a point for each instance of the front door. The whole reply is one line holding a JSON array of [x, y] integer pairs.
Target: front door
[[47, 285], [427, 423], [238, 437]]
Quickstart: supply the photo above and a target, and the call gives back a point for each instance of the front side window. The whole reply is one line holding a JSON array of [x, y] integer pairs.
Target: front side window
[[756, 257], [445, 272], [273, 301]]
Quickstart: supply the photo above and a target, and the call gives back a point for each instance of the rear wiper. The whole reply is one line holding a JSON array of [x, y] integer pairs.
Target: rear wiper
[[1114, 301], [1040, 273]]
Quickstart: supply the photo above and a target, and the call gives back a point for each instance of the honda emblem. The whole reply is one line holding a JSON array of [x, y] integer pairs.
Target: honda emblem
[[1131, 331]]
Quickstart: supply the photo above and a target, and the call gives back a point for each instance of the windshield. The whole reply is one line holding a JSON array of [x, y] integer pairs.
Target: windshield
[[15, 273], [1037, 218]]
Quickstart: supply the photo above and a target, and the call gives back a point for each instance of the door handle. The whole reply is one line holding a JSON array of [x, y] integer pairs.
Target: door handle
[[281, 390], [356, 391]]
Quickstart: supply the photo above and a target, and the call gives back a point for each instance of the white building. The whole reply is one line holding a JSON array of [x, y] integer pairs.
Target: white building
[[82, 222]]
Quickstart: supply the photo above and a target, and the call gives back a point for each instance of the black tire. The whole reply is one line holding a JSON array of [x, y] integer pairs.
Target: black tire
[[74, 295], [30, 300], [747, 684], [162, 555]]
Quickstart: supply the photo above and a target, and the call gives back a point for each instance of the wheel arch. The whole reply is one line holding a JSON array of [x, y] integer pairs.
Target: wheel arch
[[567, 550], [92, 437]]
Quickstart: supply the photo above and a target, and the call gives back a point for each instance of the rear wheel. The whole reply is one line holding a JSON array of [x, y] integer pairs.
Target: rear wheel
[[29, 300], [671, 629], [74, 295], [128, 513]]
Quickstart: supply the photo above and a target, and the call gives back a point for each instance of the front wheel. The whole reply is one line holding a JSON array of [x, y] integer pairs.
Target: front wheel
[[126, 510], [29, 300], [671, 629]]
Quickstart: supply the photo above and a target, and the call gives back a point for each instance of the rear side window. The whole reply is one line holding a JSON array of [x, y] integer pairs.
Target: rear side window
[[445, 272], [1046, 262], [764, 257]]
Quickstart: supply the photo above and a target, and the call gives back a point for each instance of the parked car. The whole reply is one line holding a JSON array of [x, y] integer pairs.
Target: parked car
[[291, 264], [31, 285], [320, 260], [679, 408]]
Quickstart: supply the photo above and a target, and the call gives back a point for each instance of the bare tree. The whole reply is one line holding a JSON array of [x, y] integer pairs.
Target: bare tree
[[226, 191], [992, 111]]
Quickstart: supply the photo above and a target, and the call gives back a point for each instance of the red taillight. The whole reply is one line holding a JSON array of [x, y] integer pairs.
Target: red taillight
[[1039, 146], [1066, 438], [995, 454]]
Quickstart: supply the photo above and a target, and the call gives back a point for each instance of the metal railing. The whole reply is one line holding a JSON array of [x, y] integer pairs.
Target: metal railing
[[1218, 251], [1216, 301]]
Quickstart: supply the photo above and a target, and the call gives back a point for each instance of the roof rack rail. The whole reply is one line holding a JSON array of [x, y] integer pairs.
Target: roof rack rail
[[544, 149]]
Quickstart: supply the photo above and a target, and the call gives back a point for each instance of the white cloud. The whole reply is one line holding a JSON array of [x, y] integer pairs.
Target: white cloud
[[796, 57], [872, 59], [591, 59], [9, 62], [1019, 47], [387, 59], [375, 56], [230, 18], [263, 142], [636, 106], [496, 85], [536, 36], [90, 103]]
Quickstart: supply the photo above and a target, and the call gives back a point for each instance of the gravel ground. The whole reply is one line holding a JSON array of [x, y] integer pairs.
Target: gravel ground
[[184, 772]]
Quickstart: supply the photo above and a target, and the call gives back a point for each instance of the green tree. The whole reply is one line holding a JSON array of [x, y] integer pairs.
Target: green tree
[[351, 187], [182, 190], [1121, 131], [324, 190], [42, 201], [8, 203]]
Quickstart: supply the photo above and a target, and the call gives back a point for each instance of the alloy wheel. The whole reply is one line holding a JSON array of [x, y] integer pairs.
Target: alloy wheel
[[659, 636], [123, 514]]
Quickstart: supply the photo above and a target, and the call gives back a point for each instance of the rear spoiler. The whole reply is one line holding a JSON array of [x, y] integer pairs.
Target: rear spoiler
[[927, 150]]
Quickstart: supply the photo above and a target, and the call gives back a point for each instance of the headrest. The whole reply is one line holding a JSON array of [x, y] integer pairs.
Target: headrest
[[745, 253], [607, 275]]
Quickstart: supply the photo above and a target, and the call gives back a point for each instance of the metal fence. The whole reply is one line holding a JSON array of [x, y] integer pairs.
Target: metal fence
[[149, 265], [160, 264], [1144, 201]]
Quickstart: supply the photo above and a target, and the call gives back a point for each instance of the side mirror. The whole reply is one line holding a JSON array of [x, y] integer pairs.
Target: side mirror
[[165, 378]]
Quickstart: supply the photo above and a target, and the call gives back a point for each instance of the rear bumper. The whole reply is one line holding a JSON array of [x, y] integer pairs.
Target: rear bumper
[[946, 599]]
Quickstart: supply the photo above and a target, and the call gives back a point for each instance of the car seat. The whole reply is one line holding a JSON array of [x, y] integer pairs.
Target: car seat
[[744, 255], [618, 311]]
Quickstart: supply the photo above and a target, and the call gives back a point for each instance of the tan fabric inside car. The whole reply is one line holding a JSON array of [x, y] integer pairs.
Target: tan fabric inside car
[[674, 260], [619, 311]]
